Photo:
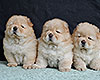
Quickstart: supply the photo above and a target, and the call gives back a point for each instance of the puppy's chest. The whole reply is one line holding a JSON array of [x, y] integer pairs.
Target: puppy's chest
[[53, 55], [52, 52], [15, 48], [86, 56], [53, 58]]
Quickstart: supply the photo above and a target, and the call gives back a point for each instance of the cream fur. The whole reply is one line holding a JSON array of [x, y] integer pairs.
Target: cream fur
[[20, 48], [90, 54], [57, 53]]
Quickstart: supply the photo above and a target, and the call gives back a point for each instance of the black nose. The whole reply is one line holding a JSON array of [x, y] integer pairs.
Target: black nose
[[50, 35], [15, 28], [83, 41]]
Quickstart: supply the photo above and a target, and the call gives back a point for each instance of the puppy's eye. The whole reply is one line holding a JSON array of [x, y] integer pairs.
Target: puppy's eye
[[89, 38], [79, 36], [46, 30], [22, 26], [58, 31]]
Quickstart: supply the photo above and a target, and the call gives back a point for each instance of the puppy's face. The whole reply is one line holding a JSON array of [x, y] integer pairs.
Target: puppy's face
[[55, 31], [18, 26], [85, 36]]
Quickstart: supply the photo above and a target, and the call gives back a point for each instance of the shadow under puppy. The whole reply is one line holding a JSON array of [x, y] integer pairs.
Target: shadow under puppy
[[55, 46], [86, 47], [20, 42]]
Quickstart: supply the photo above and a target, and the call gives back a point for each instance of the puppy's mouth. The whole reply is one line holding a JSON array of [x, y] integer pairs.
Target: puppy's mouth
[[50, 37], [83, 45], [15, 30]]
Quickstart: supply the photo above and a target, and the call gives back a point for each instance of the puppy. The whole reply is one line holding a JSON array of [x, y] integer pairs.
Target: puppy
[[19, 42], [55, 46], [86, 47]]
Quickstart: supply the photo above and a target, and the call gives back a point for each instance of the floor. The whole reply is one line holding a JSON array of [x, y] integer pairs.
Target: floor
[[18, 73]]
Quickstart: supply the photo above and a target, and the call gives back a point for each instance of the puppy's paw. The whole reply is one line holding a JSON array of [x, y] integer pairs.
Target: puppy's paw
[[95, 64], [27, 66], [97, 68], [81, 68], [80, 65], [64, 69], [12, 64], [35, 66]]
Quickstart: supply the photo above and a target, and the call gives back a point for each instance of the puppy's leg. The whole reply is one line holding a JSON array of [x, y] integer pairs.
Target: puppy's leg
[[79, 64], [40, 63], [29, 60], [95, 64], [10, 58], [65, 65]]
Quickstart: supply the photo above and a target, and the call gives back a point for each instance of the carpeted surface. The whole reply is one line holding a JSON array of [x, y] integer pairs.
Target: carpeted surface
[[18, 73]]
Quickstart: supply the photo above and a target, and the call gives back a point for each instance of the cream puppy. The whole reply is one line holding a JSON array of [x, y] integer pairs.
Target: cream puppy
[[86, 47], [55, 46], [19, 42]]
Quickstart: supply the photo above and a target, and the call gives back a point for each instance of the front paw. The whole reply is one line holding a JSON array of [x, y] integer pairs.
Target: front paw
[[27, 66], [95, 67], [35, 66], [12, 64], [64, 69], [95, 64], [81, 68]]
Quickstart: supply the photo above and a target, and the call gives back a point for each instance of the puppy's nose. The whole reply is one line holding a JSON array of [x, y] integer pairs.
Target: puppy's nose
[[83, 41], [15, 28], [50, 35]]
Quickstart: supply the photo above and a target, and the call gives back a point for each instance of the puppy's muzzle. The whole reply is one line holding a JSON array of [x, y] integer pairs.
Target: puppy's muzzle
[[83, 42], [14, 29], [50, 36]]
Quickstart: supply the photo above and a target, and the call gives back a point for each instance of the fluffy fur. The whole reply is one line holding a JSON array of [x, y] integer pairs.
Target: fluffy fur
[[55, 46], [86, 47], [19, 42]]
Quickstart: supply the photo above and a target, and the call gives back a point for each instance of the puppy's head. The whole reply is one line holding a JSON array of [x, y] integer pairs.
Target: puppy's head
[[55, 31], [18, 26], [85, 36]]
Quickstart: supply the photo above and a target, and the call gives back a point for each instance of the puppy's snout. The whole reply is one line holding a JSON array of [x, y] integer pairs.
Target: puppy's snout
[[15, 28], [83, 42], [50, 35]]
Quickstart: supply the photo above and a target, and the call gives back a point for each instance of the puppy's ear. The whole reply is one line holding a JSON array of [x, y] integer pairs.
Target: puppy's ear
[[98, 34], [28, 21], [11, 20], [45, 26], [97, 30], [47, 23], [73, 34], [65, 24]]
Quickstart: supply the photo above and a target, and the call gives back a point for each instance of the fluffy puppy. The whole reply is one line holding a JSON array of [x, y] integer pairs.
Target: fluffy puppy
[[55, 46], [86, 47], [19, 42]]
